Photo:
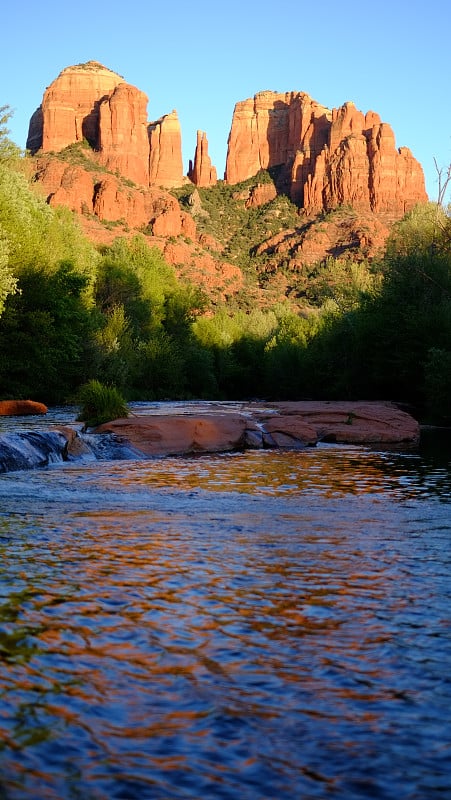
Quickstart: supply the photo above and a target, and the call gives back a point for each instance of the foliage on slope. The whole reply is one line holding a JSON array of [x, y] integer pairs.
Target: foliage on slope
[[339, 327]]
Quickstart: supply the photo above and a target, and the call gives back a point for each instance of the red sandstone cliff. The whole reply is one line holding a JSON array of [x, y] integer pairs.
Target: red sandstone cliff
[[165, 136], [324, 158], [329, 157], [89, 101]]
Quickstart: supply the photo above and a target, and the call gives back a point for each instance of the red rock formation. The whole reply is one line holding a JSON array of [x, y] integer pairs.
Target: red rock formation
[[268, 129], [65, 184], [19, 408], [174, 435], [166, 166], [123, 137], [110, 199], [355, 235], [331, 158], [89, 101], [294, 425], [202, 173], [70, 107], [261, 194]]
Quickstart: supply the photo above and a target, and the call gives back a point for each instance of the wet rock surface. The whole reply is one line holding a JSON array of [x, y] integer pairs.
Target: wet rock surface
[[289, 425]]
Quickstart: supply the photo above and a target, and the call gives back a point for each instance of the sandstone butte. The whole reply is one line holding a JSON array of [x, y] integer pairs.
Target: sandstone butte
[[328, 157], [290, 425], [91, 102], [322, 158]]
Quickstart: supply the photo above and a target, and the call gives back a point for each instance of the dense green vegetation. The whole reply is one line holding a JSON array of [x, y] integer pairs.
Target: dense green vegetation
[[73, 315]]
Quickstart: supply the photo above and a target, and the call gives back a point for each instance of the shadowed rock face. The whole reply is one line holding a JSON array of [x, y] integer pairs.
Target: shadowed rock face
[[291, 425], [328, 157]]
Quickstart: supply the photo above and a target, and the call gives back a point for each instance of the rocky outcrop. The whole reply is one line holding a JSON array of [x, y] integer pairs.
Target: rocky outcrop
[[123, 137], [202, 173], [341, 235], [324, 158], [165, 137], [110, 199], [90, 102], [19, 408], [327, 158], [260, 194], [70, 108], [291, 425]]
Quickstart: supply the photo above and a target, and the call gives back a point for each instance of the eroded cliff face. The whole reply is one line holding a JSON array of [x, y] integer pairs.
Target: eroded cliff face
[[327, 158], [90, 102], [117, 176], [70, 107], [165, 137]]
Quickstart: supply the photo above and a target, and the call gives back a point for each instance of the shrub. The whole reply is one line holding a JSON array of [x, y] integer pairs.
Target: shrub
[[100, 403]]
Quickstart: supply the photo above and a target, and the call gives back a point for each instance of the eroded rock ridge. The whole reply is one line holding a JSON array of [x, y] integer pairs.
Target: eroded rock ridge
[[326, 158]]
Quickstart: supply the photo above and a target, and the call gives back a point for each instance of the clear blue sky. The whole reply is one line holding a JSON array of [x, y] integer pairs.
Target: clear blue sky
[[200, 58]]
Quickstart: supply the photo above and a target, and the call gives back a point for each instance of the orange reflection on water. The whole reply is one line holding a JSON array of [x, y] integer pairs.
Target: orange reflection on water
[[329, 470]]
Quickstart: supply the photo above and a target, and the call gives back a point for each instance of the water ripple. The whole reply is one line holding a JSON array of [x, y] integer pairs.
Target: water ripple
[[254, 626]]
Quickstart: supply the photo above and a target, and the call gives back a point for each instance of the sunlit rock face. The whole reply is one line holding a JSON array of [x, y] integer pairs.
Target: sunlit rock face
[[201, 172], [326, 158], [89, 102], [18, 408], [71, 107]]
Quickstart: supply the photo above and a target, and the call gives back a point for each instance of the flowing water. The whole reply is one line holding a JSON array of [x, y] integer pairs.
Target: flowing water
[[253, 626]]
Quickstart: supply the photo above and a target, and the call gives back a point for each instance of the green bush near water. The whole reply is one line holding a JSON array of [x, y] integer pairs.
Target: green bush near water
[[100, 403]]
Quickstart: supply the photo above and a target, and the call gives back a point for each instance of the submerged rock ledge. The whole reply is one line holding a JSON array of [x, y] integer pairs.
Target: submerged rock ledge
[[286, 425]]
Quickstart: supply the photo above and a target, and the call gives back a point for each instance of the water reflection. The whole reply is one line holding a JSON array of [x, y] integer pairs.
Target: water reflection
[[253, 626]]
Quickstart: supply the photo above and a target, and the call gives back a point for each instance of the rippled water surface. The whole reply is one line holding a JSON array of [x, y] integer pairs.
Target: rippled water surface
[[251, 626]]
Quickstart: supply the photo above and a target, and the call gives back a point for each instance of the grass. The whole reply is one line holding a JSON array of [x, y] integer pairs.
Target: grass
[[100, 403]]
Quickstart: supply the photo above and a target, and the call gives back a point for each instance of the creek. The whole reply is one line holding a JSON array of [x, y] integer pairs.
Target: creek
[[262, 625]]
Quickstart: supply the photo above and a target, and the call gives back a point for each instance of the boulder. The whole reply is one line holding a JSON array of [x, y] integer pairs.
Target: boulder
[[179, 434], [18, 408], [289, 426], [351, 422]]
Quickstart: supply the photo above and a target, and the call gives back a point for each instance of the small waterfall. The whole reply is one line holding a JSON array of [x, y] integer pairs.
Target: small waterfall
[[105, 447], [30, 449]]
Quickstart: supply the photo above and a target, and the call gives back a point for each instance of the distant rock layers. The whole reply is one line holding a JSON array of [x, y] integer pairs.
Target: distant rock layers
[[326, 158]]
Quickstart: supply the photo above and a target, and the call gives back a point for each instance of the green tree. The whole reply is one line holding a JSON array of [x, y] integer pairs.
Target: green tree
[[46, 336], [9, 152]]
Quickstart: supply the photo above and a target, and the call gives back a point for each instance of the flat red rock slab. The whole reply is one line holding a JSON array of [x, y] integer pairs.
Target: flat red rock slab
[[284, 425], [175, 435]]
